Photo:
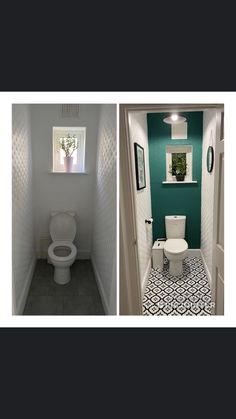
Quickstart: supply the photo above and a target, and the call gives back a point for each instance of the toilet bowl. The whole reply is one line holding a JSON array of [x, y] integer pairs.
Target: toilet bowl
[[62, 252], [175, 251], [175, 247]]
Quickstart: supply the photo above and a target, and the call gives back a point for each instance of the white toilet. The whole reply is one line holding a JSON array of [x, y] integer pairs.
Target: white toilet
[[62, 252], [175, 247]]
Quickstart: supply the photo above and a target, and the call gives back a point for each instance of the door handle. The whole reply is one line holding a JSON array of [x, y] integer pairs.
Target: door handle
[[149, 221]]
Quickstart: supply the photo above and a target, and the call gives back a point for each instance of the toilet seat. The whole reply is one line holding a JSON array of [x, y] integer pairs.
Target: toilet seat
[[60, 243], [175, 246]]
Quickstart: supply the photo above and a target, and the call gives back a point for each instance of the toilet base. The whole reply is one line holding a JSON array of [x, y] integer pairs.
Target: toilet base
[[176, 268], [61, 275]]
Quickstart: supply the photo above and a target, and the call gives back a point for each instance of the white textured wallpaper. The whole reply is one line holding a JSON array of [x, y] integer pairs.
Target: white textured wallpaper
[[209, 131], [104, 226], [138, 133], [62, 191], [23, 253]]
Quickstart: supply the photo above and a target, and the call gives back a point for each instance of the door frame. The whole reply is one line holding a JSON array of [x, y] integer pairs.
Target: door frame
[[219, 145], [130, 288]]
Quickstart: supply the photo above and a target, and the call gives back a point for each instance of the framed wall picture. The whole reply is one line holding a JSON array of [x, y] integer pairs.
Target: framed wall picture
[[139, 166]]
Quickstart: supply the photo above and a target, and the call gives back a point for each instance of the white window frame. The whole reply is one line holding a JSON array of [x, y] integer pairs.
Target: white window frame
[[58, 154], [188, 149]]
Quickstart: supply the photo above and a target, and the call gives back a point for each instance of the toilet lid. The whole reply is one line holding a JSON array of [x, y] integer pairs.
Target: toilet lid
[[62, 227], [176, 245]]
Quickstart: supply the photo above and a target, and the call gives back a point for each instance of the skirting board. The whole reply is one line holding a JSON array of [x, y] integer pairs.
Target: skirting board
[[100, 287], [20, 304], [194, 253], [206, 270], [145, 278], [83, 254]]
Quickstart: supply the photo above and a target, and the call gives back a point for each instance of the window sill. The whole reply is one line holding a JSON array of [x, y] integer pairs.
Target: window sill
[[68, 173], [179, 182]]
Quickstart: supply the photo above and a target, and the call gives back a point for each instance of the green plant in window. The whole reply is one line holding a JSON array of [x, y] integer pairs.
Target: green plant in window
[[68, 144], [179, 164]]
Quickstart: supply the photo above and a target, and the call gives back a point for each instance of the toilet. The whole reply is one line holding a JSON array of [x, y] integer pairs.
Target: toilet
[[62, 252], [175, 247]]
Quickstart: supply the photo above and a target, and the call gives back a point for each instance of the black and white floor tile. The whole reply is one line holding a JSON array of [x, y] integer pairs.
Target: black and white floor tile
[[187, 294]]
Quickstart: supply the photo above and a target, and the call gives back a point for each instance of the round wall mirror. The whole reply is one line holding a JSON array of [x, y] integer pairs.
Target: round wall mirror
[[210, 159]]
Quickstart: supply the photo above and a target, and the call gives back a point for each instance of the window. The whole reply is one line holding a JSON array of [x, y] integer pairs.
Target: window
[[175, 151], [78, 134]]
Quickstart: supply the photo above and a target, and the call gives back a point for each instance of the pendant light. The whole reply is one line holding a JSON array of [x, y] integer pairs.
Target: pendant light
[[174, 118]]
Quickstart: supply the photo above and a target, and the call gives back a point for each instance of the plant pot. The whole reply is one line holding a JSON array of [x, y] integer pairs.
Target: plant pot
[[68, 163], [180, 178]]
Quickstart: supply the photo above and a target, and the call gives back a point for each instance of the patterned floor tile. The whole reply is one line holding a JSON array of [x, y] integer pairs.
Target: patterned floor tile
[[188, 294]]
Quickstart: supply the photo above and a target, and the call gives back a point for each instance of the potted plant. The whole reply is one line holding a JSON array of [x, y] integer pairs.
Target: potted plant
[[69, 144], [178, 168]]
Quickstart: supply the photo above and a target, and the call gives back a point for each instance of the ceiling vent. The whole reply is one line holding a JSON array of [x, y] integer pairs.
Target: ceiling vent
[[70, 111]]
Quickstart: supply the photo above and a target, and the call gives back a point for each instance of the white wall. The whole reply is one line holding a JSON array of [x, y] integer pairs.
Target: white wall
[[104, 227], [139, 134], [207, 199], [63, 191], [23, 250]]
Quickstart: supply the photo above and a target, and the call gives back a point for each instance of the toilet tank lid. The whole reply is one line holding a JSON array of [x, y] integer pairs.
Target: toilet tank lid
[[62, 226], [174, 217]]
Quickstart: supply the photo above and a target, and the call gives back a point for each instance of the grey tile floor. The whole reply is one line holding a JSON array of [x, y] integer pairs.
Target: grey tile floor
[[79, 297]]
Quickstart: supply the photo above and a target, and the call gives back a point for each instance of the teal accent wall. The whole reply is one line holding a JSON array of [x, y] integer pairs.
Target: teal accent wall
[[176, 199]]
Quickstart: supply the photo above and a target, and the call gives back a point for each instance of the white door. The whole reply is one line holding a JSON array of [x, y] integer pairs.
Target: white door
[[218, 218], [130, 287]]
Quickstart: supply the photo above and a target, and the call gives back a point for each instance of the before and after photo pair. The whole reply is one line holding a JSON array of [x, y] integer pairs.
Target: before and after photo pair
[[117, 210]]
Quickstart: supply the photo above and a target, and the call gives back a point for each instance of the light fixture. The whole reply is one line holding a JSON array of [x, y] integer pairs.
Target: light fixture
[[174, 118]]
